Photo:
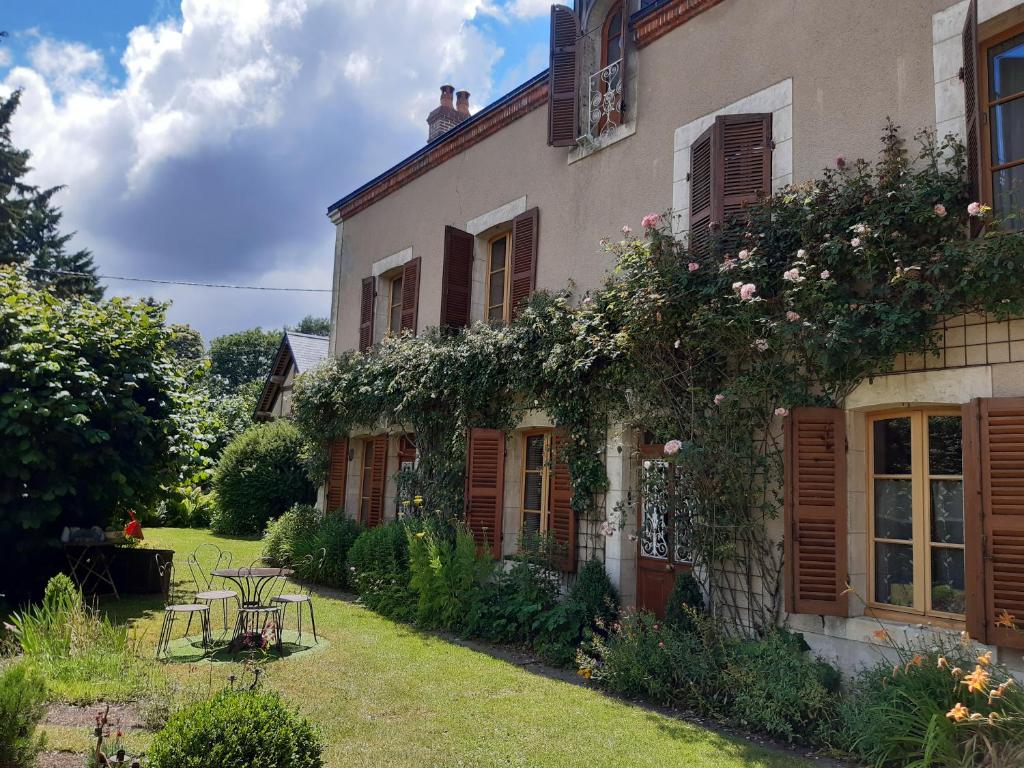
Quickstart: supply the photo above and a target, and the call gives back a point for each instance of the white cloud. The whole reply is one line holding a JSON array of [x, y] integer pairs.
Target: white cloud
[[233, 127], [526, 9]]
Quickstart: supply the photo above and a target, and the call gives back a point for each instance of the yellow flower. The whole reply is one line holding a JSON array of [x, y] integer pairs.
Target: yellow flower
[[421, 534], [405, 502], [985, 658], [976, 681], [584, 673], [1006, 619], [417, 500], [985, 208], [958, 712]]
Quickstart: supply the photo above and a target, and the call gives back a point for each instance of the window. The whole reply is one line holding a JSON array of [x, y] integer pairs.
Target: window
[[606, 85], [395, 306], [916, 512], [535, 509], [498, 273], [407, 460], [366, 481], [1002, 100]]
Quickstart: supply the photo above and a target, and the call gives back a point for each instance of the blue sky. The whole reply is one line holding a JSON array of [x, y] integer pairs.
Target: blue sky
[[204, 139]]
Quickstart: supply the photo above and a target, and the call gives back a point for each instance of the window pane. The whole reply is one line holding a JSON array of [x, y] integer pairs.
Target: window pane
[[395, 321], [948, 580], [532, 491], [496, 292], [1007, 132], [945, 446], [498, 253], [892, 446], [1006, 65], [894, 574], [947, 511], [894, 515], [1008, 194], [535, 452], [531, 527]]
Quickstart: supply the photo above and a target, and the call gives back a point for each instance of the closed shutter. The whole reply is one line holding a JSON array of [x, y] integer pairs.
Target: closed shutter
[[994, 519], [973, 112], [378, 478], [563, 76], [410, 294], [563, 517], [485, 487], [525, 232], [744, 162], [337, 474], [366, 313], [700, 193], [456, 278], [815, 512]]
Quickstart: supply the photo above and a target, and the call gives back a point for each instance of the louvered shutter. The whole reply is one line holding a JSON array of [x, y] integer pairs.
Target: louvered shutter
[[456, 278], [563, 76], [994, 518], [525, 233], [337, 474], [410, 294], [743, 172], [563, 516], [700, 193], [485, 487], [815, 511], [378, 478], [972, 108], [366, 313]]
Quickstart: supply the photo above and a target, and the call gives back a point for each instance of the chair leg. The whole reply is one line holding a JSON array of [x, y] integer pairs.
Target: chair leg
[[312, 620], [207, 639], [224, 609], [188, 627], [298, 607], [162, 641]]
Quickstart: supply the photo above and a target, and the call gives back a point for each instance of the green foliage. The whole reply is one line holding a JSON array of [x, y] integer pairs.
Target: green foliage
[[445, 574], [315, 545], [258, 478], [246, 729], [685, 599], [596, 594], [237, 358], [379, 569], [22, 706], [94, 417], [186, 344], [233, 410], [314, 326]]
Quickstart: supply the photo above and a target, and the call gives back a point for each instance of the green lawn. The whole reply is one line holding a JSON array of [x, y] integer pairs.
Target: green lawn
[[386, 695]]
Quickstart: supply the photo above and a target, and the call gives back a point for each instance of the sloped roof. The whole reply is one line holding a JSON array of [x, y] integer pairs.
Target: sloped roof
[[302, 349], [307, 350]]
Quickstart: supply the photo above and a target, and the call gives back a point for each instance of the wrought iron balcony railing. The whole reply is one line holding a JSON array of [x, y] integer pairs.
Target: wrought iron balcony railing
[[605, 108]]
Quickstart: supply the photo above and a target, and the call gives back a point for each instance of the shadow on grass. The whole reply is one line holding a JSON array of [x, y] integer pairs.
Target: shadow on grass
[[189, 650]]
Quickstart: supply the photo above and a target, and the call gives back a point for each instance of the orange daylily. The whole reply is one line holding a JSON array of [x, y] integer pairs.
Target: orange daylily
[[977, 681], [985, 658], [958, 712], [882, 635], [942, 663], [1006, 619]]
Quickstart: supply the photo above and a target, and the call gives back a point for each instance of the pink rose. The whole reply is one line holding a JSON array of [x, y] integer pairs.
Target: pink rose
[[974, 209], [780, 411], [940, 210], [693, 266], [737, 285], [792, 275], [743, 255], [761, 345], [801, 254], [855, 242], [825, 275], [747, 291], [626, 229], [719, 399], [650, 221], [792, 316], [728, 265], [672, 447]]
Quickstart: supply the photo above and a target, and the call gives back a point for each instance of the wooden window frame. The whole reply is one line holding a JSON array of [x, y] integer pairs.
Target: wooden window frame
[[366, 479], [545, 483], [921, 502], [988, 169], [395, 303], [506, 308], [606, 36]]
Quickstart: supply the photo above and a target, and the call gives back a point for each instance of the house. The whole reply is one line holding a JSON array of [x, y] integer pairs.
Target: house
[[298, 353], [643, 106]]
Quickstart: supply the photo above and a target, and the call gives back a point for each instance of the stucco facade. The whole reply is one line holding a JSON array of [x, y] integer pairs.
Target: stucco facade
[[829, 72]]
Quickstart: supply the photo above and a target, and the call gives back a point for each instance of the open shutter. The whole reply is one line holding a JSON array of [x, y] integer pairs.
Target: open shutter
[[525, 232], [410, 294], [700, 193], [994, 519], [815, 512], [456, 278], [743, 172], [378, 477], [485, 487], [337, 474], [366, 313], [563, 516], [972, 106], [563, 76]]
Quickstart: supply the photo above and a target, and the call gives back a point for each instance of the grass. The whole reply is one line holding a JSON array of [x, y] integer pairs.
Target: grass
[[386, 695]]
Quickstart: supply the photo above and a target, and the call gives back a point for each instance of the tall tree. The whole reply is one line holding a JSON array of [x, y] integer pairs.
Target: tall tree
[[30, 223], [186, 344], [315, 326], [237, 358]]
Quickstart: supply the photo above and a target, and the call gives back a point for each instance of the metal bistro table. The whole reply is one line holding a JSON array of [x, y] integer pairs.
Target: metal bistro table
[[253, 610]]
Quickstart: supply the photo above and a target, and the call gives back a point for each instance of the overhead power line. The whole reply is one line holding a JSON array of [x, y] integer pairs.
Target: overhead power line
[[67, 273]]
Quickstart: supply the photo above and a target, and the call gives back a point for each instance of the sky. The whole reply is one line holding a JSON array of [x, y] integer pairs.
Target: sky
[[203, 140]]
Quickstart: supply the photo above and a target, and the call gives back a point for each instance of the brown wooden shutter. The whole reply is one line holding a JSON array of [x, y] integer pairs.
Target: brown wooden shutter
[[456, 278], [410, 294], [525, 233], [378, 478], [972, 108], [563, 516], [563, 76], [337, 474], [700, 193], [994, 518], [815, 512], [743, 172], [485, 487], [366, 313]]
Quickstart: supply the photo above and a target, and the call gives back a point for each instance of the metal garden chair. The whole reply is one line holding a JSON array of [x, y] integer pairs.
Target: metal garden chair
[[207, 590], [253, 613], [302, 597], [172, 610]]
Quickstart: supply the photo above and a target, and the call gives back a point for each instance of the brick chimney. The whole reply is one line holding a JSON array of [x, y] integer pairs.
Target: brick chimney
[[445, 116]]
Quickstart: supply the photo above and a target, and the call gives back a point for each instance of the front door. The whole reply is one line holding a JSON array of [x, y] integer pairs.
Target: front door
[[660, 553]]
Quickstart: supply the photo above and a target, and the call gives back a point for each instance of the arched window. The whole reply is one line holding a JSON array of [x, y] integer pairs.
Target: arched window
[[606, 88]]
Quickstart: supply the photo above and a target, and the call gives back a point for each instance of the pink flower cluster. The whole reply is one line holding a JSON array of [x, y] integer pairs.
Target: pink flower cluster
[[672, 447], [650, 221]]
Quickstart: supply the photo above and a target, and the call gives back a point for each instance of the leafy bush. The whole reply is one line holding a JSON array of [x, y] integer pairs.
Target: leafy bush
[[596, 594], [684, 600], [379, 568], [246, 729], [282, 534], [22, 704], [258, 478], [446, 575], [315, 545]]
